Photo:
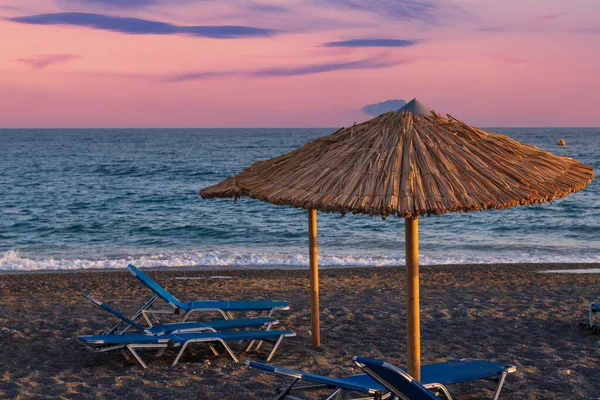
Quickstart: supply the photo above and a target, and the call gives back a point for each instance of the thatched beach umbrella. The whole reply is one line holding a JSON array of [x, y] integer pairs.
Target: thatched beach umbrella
[[407, 164]]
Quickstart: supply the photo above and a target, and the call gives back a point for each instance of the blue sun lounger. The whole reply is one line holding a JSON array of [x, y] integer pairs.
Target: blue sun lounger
[[103, 343], [398, 382], [433, 377], [181, 327], [594, 308], [225, 307]]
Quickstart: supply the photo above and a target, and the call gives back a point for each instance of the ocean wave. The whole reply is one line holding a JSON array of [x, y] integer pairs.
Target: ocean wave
[[12, 260]]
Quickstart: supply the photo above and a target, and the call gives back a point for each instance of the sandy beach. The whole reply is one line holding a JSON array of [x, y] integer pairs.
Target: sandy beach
[[505, 313]]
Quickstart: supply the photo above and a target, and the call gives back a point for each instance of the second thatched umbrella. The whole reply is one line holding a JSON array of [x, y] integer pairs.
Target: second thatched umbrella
[[409, 163]]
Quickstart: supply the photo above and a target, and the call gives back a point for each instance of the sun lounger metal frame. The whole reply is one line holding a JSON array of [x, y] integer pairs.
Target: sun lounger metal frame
[[141, 311], [594, 308], [183, 327], [179, 307], [96, 343], [339, 386]]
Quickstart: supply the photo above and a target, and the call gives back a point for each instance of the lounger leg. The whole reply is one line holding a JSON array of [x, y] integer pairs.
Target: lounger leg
[[125, 355], [229, 315], [250, 345], [179, 354], [185, 317], [499, 388], [337, 395], [261, 342], [286, 390], [160, 352], [591, 312], [146, 318], [439, 388], [229, 350], [215, 352], [137, 357], [275, 347]]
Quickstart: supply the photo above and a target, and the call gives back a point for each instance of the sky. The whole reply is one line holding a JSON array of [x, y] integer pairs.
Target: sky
[[296, 63]]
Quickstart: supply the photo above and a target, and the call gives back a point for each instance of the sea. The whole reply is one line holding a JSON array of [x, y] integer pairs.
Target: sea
[[73, 199]]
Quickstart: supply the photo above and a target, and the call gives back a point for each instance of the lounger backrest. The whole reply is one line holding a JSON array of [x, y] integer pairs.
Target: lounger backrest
[[394, 379], [116, 313], [155, 287]]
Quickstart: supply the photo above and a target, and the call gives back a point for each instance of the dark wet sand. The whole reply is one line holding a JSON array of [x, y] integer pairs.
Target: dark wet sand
[[506, 313]]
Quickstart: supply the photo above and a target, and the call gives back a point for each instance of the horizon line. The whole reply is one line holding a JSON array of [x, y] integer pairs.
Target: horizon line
[[281, 127]]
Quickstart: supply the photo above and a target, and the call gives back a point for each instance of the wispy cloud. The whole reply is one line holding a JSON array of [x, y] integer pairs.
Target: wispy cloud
[[10, 8], [45, 60], [136, 26], [412, 10], [551, 16], [123, 4], [369, 63], [373, 43], [268, 8], [200, 75], [492, 29], [587, 30]]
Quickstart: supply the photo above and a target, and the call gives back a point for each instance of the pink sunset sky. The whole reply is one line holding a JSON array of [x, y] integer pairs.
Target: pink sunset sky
[[296, 63]]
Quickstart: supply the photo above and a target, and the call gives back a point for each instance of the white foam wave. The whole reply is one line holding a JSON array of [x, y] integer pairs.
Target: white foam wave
[[572, 271], [13, 261]]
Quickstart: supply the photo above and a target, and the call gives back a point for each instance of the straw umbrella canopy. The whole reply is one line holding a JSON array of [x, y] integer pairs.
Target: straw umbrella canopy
[[406, 163]]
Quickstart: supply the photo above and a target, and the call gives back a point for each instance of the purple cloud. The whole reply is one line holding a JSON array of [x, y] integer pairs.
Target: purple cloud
[[552, 16], [373, 43], [10, 8], [124, 4], [588, 30], [136, 26], [269, 8], [412, 10], [45, 60], [369, 63], [196, 76]]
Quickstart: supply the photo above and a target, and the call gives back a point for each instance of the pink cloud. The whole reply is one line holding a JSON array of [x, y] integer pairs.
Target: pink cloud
[[45, 60]]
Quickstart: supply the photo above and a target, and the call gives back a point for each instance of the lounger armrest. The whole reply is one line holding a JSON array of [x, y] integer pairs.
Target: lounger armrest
[[510, 369], [275, 370]]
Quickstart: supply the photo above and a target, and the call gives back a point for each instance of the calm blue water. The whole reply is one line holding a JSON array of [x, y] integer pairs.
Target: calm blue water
[[72, 199]]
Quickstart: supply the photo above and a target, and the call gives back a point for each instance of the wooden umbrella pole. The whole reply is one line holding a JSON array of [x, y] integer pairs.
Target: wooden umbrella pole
[[412, 294], [314, 277]]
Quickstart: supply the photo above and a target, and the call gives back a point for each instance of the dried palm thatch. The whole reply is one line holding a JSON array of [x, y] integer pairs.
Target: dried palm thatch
[[408, 165]]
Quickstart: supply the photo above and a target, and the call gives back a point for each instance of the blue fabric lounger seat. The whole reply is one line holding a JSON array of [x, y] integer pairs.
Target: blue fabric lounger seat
[[102, 343], [433, 377], [179, 327], [225, 307], [594, 308]]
